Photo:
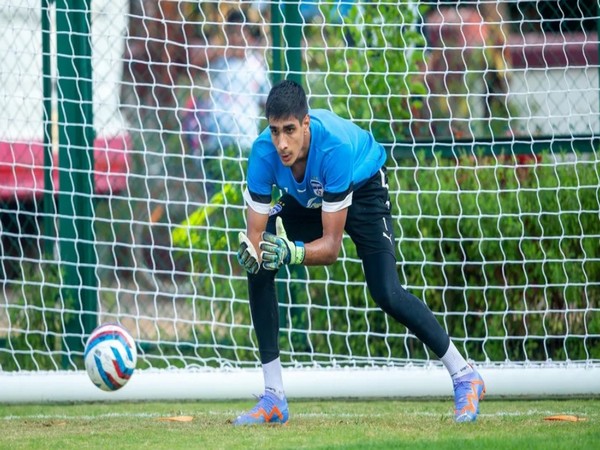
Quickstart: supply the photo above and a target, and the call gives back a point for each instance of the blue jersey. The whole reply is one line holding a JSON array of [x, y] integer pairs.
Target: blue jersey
[[341, 157]]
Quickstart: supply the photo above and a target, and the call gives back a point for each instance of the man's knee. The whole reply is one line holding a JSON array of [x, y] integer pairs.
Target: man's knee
[[386, 294]]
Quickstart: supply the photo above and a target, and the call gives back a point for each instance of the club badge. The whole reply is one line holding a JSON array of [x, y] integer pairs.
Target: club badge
[[317, 187], [276, 209]]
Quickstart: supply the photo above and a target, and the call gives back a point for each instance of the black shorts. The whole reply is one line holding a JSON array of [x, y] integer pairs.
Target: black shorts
[[369, 221]]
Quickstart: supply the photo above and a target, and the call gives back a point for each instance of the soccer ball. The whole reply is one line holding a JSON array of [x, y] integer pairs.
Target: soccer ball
[[110, 356]]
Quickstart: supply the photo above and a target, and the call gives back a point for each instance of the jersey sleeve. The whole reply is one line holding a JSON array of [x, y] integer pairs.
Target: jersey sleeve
[[260, 182], [338, 172]]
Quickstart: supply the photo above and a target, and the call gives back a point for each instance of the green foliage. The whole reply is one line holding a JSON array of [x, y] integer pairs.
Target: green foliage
[[500, 238], [365, 70], [35, 319], [505, 255], [210, 235], [371, 66]]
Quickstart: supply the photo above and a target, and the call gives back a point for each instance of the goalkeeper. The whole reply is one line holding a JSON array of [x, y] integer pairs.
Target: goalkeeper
[[333, 177]]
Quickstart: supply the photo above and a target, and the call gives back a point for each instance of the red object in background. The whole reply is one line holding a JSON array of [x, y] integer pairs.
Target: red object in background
[[22, 168]]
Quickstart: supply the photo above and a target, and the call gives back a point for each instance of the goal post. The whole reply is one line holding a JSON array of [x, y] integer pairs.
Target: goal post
[[406, 382], [490, 114]]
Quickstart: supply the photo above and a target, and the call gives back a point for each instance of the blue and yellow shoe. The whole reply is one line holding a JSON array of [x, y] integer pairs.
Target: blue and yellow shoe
[[468, 391], [269, 409]]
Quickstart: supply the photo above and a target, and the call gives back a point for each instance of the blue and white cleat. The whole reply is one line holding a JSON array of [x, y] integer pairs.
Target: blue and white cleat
[[468, 391], [269, 409]]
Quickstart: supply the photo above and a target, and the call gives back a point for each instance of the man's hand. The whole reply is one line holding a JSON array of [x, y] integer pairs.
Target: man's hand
[[246, 254], [278, 250]]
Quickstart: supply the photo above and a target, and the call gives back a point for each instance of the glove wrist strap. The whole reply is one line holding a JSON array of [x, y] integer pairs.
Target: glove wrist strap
[[300, 252]]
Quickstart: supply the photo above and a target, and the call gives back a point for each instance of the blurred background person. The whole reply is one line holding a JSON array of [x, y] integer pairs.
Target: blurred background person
[[225, 107]]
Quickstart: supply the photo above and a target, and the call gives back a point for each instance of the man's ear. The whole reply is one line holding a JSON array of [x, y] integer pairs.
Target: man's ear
[[306, 122]]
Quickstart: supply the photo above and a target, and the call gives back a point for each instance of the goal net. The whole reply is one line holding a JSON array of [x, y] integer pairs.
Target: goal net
[[489, 111]]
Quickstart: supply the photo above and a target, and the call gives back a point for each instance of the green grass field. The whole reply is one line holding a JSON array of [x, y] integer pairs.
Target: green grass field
[[323, 424]]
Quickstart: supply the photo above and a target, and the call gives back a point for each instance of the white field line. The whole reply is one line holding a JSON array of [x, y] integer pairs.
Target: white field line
[[528, 413]]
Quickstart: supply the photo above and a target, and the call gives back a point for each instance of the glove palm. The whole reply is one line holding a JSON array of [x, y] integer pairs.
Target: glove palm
[[246, 255]]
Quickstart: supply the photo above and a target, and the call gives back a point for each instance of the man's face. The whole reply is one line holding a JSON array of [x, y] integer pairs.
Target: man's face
[[235, 35], [291, 139]]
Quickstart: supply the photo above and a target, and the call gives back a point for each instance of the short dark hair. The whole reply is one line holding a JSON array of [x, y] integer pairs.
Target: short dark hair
[[238, 17], [235, 16], [286, 99]]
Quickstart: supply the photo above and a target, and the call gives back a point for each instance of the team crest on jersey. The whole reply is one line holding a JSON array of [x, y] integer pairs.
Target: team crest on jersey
[[276, 209], [317, 187]]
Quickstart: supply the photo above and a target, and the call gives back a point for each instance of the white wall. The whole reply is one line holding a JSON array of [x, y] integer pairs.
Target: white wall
[[21, 75], [556, 101]]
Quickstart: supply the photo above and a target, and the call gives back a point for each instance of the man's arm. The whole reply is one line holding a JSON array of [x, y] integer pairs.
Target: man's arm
[[325, 250], [257, 223], [278, 250], [247, 255]]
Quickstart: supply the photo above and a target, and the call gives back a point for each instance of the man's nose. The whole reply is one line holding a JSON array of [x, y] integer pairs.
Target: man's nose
[[283, 143]]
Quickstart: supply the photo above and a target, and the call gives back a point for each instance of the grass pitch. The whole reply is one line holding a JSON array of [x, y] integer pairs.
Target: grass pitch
[[375, 424]]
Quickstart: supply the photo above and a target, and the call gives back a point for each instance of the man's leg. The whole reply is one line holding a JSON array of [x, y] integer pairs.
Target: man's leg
[[370, 226], [272, 405], [391, 297], [386, 290], [301, 224], [265, 319]]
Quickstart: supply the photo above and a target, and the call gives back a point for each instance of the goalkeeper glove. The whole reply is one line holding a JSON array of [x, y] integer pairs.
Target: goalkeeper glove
[[246, 254], [278, 250]]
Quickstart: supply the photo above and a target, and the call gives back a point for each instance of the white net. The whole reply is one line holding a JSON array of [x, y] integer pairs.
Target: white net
[[489, 110]]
